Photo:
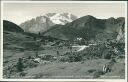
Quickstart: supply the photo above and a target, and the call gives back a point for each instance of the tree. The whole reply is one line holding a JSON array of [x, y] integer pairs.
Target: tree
[[37, 45], [20, 65], [39, 34]]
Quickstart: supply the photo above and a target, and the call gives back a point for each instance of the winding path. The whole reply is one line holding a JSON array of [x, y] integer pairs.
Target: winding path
[[80, 48]]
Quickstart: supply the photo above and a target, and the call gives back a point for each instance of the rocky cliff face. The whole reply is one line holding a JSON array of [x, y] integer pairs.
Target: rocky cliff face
[[121, 35], [43, 23]]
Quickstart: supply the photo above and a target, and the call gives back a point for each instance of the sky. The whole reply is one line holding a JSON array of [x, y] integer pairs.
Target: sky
[[21, 12]]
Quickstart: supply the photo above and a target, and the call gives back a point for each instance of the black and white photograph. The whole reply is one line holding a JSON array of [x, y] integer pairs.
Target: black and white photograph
[[64, 40]]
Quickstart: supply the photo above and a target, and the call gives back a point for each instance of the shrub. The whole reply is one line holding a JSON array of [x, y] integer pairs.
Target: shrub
[[30, 64], [75, 58], [20, 65], [71, 57], [64, 59], [47, 57]]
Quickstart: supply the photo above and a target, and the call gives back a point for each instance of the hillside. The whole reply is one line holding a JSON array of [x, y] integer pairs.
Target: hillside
[[88, 27], [9, 26]]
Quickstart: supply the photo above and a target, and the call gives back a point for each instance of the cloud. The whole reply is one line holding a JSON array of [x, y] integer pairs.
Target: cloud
[[19, 12]]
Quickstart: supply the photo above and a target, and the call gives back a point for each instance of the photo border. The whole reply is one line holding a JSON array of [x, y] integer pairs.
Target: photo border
[[1, 42]]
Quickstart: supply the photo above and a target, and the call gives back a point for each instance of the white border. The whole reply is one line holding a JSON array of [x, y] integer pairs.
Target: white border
[[106, 80], [126, 28], [1, 43]]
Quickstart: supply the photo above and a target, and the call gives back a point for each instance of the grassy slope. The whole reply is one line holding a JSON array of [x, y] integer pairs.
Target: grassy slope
[[77, 70], [13, 51]]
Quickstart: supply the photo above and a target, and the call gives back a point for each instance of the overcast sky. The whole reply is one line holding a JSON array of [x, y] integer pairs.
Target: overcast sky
[[20, 12]]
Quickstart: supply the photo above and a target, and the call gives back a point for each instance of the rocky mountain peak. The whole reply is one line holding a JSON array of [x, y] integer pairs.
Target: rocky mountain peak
[[44, 22]]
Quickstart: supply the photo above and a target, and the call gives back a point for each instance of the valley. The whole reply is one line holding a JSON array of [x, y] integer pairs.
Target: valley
[[85, 48]]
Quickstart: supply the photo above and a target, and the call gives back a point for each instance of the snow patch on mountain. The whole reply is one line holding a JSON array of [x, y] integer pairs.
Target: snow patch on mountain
[[44, 22], [61, 18]]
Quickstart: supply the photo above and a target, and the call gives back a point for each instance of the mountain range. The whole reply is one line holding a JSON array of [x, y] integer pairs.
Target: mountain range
[[44, 22], [66, 26], [89, 27]]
